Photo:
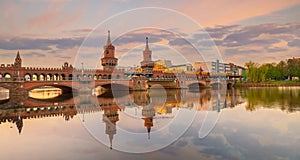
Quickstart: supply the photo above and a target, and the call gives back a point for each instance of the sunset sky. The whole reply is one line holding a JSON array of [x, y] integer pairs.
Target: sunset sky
[[50, 32]]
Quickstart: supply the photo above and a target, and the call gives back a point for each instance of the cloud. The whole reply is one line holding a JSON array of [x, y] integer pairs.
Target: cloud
[[294, 43], [276, 49], [139, 36], [237, 51], [217, 144], [41, 44], [54, 14], [220, 31], [263, 34], [179, 42], [81, 30], [33, 54], [286, 15], [7, 55]]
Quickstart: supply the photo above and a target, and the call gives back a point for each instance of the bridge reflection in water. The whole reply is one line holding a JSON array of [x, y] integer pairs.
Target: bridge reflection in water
[[135, 104]]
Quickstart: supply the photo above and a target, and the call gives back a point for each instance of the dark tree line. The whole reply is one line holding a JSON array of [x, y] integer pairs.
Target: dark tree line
[[272, 71]]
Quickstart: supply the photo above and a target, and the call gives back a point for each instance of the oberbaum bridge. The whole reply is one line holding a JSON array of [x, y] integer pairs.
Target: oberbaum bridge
[[20, 80]]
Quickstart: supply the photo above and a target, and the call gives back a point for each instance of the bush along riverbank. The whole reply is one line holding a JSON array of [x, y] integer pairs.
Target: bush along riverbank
[[268, 84]]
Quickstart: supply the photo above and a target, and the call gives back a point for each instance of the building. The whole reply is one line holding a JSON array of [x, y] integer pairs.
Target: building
[[220, 69], [167, 66], [181, 68], [164, 63]]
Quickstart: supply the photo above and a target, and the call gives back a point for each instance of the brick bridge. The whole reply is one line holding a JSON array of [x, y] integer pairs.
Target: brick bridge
[[193, 83], [22, 88]]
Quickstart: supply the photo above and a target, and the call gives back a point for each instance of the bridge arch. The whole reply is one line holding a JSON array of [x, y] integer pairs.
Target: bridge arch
[[78, 76], [54, 77], [196, 86], [35, 77], [229, 85], [216, 85], [70, 77], [63, 77], [42, 77], [112, 86], [49, 77], [27, 77], [3, 87], [7, 75], [63, 87]]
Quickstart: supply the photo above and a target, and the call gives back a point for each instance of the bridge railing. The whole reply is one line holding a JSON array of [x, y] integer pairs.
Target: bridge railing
[[15, 79]]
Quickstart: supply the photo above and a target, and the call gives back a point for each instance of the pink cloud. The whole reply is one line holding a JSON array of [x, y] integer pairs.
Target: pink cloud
[[52, 12], [210, 13], [56, 17]]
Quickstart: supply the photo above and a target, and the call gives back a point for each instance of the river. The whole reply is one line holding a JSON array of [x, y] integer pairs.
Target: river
[[253, 123]]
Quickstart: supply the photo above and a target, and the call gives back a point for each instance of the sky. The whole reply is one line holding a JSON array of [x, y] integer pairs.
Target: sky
[[50, 32]]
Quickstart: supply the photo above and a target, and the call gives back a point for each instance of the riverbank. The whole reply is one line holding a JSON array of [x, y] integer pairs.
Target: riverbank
[[268, 84]]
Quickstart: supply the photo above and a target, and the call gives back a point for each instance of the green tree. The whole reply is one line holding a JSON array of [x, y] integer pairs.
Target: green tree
[[271, 71], [252, 72], [282, 70], [293, 66], [262, 71]]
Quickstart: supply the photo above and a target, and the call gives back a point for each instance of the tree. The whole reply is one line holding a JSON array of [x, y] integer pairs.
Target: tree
[[271, 71], [262, 71], [293, 67], [252, 71], [282, 69]]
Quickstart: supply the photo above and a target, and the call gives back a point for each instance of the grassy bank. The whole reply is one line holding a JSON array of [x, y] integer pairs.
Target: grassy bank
[[268, 84]]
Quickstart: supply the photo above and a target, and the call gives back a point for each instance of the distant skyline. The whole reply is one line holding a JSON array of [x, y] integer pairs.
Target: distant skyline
[[49, 32]]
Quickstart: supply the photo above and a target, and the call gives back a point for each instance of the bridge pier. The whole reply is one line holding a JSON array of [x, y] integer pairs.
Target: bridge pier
[[17, 94], [85, 87]]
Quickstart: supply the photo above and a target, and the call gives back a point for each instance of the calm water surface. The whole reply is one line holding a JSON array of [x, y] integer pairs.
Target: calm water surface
[[256, 123]]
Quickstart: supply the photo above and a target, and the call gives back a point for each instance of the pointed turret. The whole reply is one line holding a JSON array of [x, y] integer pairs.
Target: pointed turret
[[19, 123], [18, 60], [111, 137], [18, 55], [108, 39], [148, 123], [147, 46]]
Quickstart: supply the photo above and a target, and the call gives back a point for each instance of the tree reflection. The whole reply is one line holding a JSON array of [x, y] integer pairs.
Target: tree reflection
[[285, 98]]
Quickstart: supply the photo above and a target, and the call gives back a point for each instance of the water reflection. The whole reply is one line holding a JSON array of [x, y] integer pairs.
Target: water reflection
[[45, 93], [146, 106], [4, 94], [148, 112], [285, 98], [141, 105]]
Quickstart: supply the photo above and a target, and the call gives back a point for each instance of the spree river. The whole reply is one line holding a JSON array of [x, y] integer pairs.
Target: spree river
[[254, 123]]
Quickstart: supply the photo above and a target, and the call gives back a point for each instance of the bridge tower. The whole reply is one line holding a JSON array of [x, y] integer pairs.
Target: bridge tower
[[147, 64], [17, 66], [109, 61]]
